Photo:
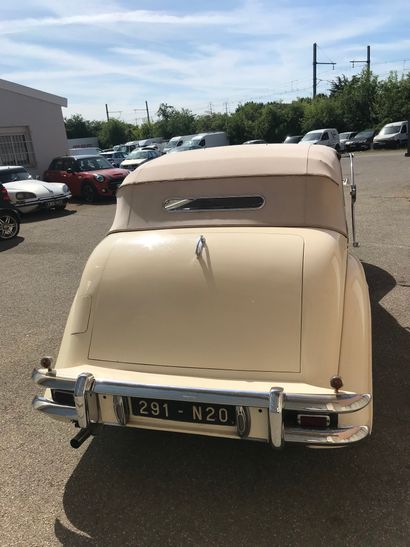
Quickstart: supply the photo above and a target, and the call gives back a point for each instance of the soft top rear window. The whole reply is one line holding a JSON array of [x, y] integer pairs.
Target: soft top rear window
[[220, 203]]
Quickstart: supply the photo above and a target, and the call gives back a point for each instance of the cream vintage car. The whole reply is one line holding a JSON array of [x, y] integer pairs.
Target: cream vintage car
[[224, 302]]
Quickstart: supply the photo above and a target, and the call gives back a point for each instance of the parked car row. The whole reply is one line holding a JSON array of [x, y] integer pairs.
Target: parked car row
[[392, 135], [114, 157]]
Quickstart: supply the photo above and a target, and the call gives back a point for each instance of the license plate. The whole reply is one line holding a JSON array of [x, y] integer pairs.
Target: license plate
[[182, 411], [50, 204]]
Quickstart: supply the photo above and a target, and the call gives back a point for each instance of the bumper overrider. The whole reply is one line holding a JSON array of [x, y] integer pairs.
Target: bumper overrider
[[88, 395]]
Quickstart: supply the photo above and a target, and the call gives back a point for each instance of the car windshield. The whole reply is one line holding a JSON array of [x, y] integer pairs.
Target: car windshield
[[94, 163], [315, 136], [344, 136], [390, 130], [138, 155], [11, 175], [364, 135]]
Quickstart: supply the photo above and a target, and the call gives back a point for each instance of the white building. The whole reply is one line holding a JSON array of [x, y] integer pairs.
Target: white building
[[32, 128]]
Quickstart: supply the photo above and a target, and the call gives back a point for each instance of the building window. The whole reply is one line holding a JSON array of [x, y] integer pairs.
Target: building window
[[16, 147]]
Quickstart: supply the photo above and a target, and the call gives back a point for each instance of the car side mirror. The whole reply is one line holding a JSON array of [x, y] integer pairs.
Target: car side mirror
[[70, 170]]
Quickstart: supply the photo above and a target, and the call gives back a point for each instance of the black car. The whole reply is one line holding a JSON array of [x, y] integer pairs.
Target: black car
[[9, 216], [362, 141]]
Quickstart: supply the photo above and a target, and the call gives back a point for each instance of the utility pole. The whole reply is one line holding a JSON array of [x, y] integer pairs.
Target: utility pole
[[367, 61], [148, 118], [108, 112], [315, 63]]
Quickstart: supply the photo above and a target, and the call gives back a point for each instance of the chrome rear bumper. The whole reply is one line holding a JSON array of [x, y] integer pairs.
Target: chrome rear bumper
[[86, 389]]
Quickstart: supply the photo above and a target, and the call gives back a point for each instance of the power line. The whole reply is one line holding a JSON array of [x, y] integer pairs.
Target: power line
[[315, 63], [226, 104], [367, 61]]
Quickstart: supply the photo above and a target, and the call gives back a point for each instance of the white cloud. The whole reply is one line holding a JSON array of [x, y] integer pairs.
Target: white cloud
[[111, 18], [93, 52]]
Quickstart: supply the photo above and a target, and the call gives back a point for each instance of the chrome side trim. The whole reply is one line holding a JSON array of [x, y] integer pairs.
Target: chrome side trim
[[342, 436], [276, 399], [54, 409]]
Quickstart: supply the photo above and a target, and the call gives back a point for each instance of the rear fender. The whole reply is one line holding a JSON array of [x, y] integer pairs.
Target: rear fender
[[355, 365]]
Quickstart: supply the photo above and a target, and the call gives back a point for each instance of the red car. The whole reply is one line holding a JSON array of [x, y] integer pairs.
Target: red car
[[86, 176]]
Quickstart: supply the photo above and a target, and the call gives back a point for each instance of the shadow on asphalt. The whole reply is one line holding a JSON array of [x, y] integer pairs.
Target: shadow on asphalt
[[46, 214], [10, 243], [98, 201], [148, 488]]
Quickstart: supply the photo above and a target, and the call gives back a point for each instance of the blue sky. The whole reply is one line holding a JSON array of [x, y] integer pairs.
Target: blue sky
[[201, 55]]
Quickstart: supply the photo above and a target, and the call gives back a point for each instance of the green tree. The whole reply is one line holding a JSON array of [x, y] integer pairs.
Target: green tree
[[114, 132], [77, 127], [322, 112], [211, 122], [173, 122], [393, 100], [355, 101], [242, 125]]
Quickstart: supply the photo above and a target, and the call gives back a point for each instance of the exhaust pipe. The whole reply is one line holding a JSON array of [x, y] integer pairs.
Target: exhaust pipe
[[81, 436]]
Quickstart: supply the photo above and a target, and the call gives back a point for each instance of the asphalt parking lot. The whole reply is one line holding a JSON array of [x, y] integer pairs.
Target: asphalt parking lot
[[129, 487]]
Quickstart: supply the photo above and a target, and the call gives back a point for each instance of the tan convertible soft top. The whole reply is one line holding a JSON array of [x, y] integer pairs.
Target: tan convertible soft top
[[301, 186]]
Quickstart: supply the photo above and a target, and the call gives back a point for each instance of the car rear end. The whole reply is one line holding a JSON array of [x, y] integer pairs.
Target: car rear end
[[196, 315], [232, 343]]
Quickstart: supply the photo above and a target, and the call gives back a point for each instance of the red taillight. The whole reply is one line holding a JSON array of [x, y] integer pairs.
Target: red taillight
[[4, 194], [313, 420]]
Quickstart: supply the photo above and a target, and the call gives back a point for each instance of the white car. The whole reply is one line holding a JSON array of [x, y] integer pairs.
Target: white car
[[326, 137], [137, 157], [29, 194], [392, 135]]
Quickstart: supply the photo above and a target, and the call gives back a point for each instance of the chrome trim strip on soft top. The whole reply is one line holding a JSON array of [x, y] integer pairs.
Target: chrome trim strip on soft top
[[335, 403]]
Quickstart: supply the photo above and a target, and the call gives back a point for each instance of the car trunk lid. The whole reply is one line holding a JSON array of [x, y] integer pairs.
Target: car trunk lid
[[236, 307]]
